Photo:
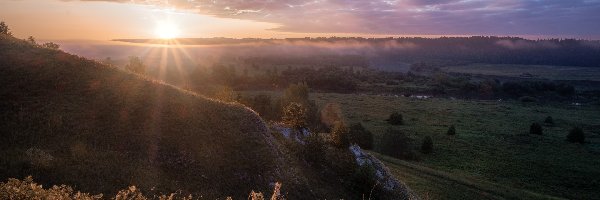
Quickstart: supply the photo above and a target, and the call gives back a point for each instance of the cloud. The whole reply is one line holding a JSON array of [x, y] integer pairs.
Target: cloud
[[522, 17]]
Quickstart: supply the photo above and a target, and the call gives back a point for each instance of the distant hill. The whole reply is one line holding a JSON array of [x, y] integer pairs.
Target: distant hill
[[69, 120]]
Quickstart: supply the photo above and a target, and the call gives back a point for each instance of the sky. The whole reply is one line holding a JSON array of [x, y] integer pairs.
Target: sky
[[111, 19]]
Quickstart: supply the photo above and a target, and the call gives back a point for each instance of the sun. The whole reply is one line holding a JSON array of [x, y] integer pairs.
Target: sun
[[166, 30]]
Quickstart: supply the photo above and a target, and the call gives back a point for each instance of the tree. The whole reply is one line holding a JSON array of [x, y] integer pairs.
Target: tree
[[296, 93], [451, 130], [4, 29], [536, 129], [361, 136], [396, 144], [31, 40], [549, 120], [294, 115], [339, 134], [225, 94], [51, 45], [108, 61], [576, 136], [427, 146], [136, 65], [313, 149], [395, 119]]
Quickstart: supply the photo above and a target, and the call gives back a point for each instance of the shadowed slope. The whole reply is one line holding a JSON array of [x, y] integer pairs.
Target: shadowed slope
[[68, 120]]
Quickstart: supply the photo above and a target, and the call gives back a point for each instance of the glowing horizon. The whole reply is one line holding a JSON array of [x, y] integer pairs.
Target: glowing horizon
[[120, 19]]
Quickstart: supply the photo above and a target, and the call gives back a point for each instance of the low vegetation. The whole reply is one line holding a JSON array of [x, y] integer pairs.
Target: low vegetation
[[396, 144], [28, 189], [360, 136], [451, 130], [427, 145], [395, 119], [535, 129], [576, 136]]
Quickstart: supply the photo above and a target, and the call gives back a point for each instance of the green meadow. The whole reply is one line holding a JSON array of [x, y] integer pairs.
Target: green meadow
[[492, 155]]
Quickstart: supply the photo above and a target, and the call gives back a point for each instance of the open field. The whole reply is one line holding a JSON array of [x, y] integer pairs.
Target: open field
[[492, 145], [538, 71]]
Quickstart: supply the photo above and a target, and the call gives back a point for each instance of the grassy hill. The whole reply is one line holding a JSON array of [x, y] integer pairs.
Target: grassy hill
[[68, 120], [99, 129]]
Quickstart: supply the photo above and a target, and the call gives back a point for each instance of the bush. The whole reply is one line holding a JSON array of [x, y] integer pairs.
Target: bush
[[295, 115], [339, 135], [51, 45], [27, 189], [549, 120], [396, 144], [4, 29], [576, 135], [451, 130], [136, 65], [363, 182], [536, 129], [527, 99], [427, 146], [360, 136], [395, 119], [313, 149]]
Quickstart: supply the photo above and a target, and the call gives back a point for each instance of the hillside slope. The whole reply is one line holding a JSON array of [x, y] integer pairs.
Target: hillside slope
[[68, 120]]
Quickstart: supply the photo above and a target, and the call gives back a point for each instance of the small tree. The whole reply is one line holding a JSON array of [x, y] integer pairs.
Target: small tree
[[31, 40], [51, 45], [296, 93], [294, 115], [4, 29], [427, 146], [536, 129], [136, 65], [225, 94], [313, 149], [549, 120], [396, 144], [361, 136], [339, 134], [395, 119], [576, 136], [451, 130]]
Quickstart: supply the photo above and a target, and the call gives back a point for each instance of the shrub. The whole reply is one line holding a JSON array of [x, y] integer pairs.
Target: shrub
[[331, 113], [4, 29], [360, 136], [296, 93], [536, 129], [225, 94], [27, 189], [313, 149], [576, 135], [295, 115], [527, 99], [339, 134], [396, 144], [395, 119], [549, 120], [451, 130], [427, 146], [136, 65], [51, 45], [363, 182]]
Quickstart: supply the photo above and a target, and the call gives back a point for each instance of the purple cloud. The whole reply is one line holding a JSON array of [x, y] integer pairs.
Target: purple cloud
[[531, 17]]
